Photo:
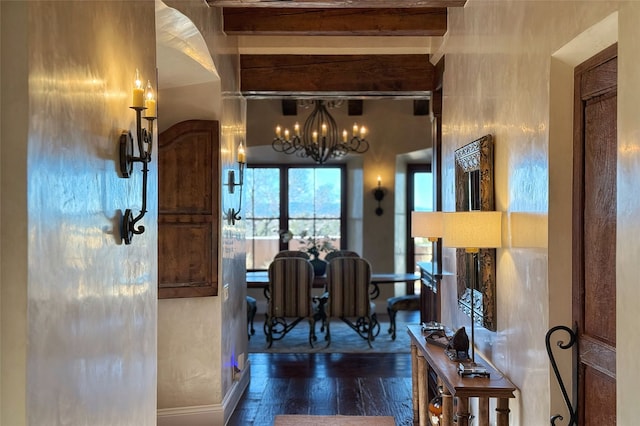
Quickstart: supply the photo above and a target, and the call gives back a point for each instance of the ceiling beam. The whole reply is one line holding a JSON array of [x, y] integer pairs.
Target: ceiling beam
[[337, 4], [336, 22], [366, 74]]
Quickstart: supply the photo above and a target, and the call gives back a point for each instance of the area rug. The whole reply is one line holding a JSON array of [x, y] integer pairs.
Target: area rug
[[343, 339], [297, 420]]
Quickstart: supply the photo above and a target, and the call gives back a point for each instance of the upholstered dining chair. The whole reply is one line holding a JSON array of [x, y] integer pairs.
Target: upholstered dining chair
[[289, 298], [348, 280], [291, 253], [340, 253]]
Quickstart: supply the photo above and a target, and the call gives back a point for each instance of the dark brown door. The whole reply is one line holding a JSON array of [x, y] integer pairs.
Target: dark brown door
[[188, 174], [594, 286]]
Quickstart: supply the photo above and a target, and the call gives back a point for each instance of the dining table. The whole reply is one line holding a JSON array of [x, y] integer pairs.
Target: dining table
[[260, 279]]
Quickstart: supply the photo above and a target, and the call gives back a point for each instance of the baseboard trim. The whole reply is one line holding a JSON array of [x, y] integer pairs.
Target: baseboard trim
[[207, 415]]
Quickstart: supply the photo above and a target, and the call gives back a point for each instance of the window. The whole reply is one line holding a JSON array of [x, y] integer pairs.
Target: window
[[419, 198], [302, 200]]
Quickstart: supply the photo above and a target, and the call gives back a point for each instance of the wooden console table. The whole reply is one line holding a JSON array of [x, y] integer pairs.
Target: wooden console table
[[424, 355]]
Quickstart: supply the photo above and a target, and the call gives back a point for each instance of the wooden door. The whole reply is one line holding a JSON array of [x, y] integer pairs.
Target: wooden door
[[594, 283], [188, 199]]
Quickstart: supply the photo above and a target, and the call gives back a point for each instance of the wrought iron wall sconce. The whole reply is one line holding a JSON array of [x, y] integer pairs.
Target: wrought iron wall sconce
[[143, 100], [378, 194], [232, 215]]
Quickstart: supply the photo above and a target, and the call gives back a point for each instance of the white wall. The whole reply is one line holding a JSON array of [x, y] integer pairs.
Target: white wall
[[200, 339], [518, 93], [79, 307]]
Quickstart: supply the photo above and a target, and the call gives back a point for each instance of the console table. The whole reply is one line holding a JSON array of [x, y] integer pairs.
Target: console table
[[425, 355]]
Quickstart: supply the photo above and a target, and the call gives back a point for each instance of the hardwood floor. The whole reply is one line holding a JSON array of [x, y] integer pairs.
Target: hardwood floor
[[326, 384]]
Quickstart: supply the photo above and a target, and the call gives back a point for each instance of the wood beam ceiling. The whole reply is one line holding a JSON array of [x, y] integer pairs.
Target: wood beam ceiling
[[334, 74], [337, 4], [335, 22], [385, 75]]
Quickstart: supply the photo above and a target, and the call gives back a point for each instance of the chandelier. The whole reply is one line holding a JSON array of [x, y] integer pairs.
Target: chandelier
[[319, 138]]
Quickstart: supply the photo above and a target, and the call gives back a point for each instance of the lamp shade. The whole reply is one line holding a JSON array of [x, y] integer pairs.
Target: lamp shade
[[473, 229], [427, 224]]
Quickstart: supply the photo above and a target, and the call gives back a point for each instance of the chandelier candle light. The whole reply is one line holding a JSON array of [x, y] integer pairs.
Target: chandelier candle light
[[319, 138]]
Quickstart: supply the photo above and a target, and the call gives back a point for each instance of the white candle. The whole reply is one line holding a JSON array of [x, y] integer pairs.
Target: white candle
[[278, 130], [344, 135], [138, 91], [150, 102], [363, 131], [324, 129], [286, 134], [314, 136], [296, 129], [355, 129], [242, 156]]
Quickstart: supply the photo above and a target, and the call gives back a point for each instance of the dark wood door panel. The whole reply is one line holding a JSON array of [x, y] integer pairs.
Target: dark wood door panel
[[188, 199], [594, 273], [600, 218], [597, 404]]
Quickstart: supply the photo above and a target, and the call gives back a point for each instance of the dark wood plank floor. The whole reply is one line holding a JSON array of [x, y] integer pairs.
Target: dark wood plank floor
[[326, 384]]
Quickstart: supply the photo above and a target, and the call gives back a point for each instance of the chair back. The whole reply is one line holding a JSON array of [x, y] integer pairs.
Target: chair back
[[291, 253], [340, 253], [348, 280], [290, 283]]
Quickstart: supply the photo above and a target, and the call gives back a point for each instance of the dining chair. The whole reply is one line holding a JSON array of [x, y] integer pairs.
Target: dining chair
[[289, 299], [348, 280], [291, 253], [340, 253]]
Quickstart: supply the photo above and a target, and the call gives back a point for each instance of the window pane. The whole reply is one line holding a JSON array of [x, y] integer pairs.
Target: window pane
[[262, 215], [423, 201], [315, 196]]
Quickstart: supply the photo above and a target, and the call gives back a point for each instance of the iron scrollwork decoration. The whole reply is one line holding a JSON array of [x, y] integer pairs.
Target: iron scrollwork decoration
[[231, 215], [572, 340], [143, 100], [474, 191]]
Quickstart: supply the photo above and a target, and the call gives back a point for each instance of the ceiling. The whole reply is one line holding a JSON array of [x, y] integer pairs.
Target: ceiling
[[358, 48]]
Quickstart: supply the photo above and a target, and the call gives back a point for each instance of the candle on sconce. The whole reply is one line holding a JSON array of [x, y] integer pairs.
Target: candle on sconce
[[355, 129], [278, 131], [296, 129], [379, 181], [286, 134], [324, 129], [314, 136], [345, 135], [242, 156], [363, 132], [150, 102], [138, 91]]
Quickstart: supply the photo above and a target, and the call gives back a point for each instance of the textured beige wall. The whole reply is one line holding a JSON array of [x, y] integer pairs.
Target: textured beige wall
[[199, 339], [519, 91], [84, 304]]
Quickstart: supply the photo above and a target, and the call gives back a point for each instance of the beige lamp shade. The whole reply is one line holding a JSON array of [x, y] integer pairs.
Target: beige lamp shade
[[427, 224], [473, 229]]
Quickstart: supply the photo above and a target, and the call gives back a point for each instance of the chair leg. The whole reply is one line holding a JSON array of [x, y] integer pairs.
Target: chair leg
[[251, 316], [392, 323], [327, 335], [312, 330], [268, 324]]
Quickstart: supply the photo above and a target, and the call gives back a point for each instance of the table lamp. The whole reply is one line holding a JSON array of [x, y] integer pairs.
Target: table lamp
[[429, 225], [472, 231]]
